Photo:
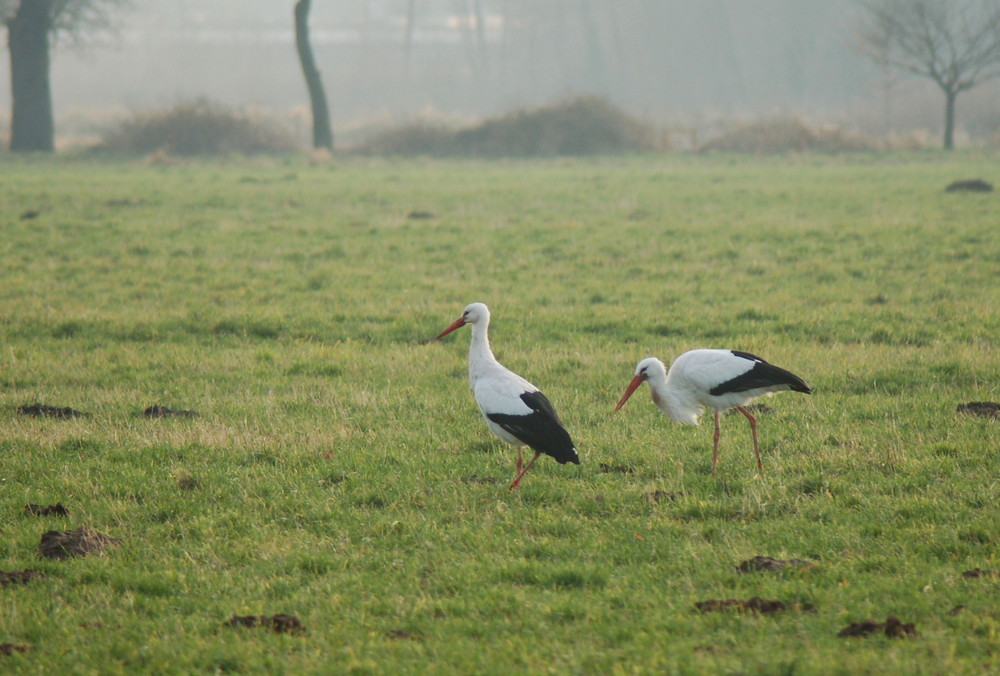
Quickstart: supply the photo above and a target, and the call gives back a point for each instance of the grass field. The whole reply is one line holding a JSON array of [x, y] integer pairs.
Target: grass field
[[338, 470]]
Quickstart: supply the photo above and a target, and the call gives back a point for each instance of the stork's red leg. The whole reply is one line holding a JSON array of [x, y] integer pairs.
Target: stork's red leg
[[715, 443], [753, 431], [520, 460], [521, 473]]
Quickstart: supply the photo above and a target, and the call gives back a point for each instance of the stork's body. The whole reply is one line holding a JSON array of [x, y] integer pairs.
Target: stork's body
[[514, 409], [715, 379]]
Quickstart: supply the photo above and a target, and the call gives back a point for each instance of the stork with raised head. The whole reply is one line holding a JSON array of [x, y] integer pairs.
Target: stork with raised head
[[514, 409], [715, 379]]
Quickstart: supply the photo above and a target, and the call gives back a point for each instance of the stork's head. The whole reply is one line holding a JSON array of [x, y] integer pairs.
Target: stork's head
[[473, 314], [650, 367]]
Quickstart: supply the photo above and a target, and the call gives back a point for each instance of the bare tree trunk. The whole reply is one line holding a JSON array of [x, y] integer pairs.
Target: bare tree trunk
[[31, 125], [322, 134], [468, 40], [595, 54], [411, 20], [949, 119], [477, 9]]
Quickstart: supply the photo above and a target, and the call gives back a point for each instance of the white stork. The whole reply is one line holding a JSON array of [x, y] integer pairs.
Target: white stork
[[514, 409], [717, 379]]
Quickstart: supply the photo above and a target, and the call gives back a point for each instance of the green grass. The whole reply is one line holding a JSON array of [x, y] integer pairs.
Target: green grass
[[291, 305]]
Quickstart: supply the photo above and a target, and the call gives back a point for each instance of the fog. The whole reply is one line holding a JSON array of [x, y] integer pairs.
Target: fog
[[673, 62]]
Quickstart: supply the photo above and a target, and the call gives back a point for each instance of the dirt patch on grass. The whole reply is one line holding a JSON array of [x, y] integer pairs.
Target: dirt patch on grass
[[616, 469], [46, 411], [476, 479], [58, 544], [767, 563], [186, 482], [956, 610], [979, 572], [279, 624], [119, 202], [400, 634], [8, 649], [752, 605], [19, 576], [158, 411], [663, 496], [969, 185], [984, 409], [892, 627], [51, 510]]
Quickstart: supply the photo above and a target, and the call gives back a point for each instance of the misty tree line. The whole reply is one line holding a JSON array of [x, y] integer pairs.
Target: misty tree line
[[953, 43], [31, 26]]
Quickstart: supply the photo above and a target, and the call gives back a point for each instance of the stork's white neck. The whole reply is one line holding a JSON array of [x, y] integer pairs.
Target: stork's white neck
[[481, 357], [672, 401]]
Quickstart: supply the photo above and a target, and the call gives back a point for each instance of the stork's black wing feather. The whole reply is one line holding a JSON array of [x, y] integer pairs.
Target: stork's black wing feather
[[541, 429], [762, 375]]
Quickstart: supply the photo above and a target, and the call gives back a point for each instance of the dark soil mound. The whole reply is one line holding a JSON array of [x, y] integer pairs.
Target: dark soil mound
[[476, 479], [8, 649], [616, 469], [660, 496], [892, 627], [157, 411], [19, 577], [400, 634], [280, 623], [984, 409], [753, 605], [58, 544], [969, 185], [767, 563], [979, 572], [37, 510], [45, 411]]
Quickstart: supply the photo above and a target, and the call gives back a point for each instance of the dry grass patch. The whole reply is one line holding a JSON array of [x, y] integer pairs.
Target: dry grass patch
[[580, 126], [789, 134], [198, 128]]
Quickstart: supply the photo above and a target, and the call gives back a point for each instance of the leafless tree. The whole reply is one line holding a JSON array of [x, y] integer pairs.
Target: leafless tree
[[955, 43], [31, 25]]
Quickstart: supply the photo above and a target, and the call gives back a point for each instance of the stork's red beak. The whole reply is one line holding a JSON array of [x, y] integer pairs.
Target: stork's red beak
[[632, 387], [458, 323]]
